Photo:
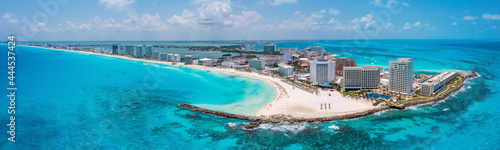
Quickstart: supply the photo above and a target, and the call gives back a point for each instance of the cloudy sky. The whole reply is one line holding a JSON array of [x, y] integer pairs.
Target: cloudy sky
[[116, 20]]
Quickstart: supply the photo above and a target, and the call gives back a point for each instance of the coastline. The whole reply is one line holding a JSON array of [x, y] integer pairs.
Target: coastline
[[293, 102]]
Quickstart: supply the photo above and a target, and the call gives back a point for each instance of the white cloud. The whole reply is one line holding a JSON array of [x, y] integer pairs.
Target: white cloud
[[213, 14], [491, 17], [279, 2], [388, 3], [407, 26], [10, 17], [470, 17], [367, 18], [417, 24], [323, 12], [454, 24], [296, 13], [389, 25], [117, 4]]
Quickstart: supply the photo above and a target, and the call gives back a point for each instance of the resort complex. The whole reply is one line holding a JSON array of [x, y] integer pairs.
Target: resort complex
[[311, 84]]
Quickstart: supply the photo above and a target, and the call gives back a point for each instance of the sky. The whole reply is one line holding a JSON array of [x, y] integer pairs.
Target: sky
[[179, 20]]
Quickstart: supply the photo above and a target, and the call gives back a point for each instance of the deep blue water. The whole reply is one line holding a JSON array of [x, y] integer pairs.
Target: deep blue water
[[73, 101]]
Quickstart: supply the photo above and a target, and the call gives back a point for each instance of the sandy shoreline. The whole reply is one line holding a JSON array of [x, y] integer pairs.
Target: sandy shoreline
[[289, 100]]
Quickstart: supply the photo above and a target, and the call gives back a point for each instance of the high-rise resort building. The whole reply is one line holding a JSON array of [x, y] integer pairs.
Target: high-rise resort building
[[163, 57], [256, 64], [116, 49], [156, 55], [129, 50], [322, 71], [170, 57], [122, 50], [139, 51], [188, 59], [320, 50], [269, 48], [365, 77], [148, 51], [342, 62], [437, 82], [286, 70], [401, 75], [177, 58]]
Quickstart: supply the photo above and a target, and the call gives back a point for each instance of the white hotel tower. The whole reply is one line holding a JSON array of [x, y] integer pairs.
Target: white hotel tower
[[401, 75], [322, 71]]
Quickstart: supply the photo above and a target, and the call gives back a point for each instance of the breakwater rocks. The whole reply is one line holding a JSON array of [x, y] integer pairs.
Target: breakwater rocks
[[256, 121]]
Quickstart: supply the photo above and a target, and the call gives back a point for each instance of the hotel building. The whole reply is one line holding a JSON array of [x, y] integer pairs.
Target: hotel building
[[256, 64], [129, 50], [163, 56], [322, 71], [188, 59], [176, 58], [436, 82], [320, 50], [365, 77], [286, 70], [116, 49], [139, 51], [342, 62], [401, 75], [170, 57], [148, 51], [270, 48]]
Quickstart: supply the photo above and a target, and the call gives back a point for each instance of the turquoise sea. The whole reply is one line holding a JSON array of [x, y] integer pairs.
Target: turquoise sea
[[69, 100]]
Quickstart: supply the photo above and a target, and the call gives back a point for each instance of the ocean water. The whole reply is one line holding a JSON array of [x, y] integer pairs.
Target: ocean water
[[74, 101]]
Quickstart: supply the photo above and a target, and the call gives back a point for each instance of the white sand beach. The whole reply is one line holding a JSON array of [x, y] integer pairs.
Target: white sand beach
[[289, 100]]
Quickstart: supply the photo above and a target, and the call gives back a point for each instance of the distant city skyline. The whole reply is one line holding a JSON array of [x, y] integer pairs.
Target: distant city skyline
[[205, 20]]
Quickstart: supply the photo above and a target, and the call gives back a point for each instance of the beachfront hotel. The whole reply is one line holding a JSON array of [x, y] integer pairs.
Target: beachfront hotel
[[256, 64], [322, 71], [139, 51], [320, 50], [342, 62], [115, 49], [148, 51], [129, 49], [269, 48], [188, 59], [177, 58], [401, 75], [286, 70], [365, 77], [436, 82], [163, 56]]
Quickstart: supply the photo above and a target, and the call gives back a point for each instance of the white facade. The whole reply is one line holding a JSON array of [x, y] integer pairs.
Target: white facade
[[366, 77], [401, 75], [322, 71], [318, 49], [434, 83], [170, 57], [176, 58], [286, 70]]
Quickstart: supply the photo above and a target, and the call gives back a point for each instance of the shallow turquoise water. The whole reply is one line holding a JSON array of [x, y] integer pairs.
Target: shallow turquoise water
[[74, 101]]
